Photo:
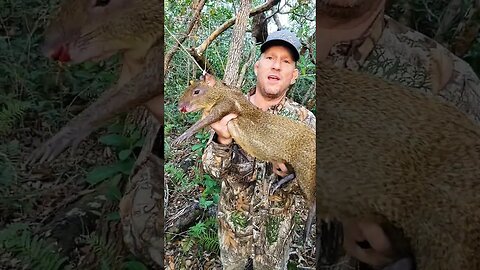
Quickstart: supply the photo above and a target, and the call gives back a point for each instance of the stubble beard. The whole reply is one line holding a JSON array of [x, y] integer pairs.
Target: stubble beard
[[271, 93]]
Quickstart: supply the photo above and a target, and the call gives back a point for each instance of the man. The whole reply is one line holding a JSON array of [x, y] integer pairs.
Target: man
[[357, 35], [252, 226]]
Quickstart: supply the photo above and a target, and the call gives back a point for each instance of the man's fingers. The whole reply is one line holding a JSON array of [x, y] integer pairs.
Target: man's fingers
[[228, 117], [220, 127], [280, 169], [376, 237]]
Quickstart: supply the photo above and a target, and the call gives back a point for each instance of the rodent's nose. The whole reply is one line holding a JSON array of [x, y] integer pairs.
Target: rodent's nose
[[181, 107], [59, 53]]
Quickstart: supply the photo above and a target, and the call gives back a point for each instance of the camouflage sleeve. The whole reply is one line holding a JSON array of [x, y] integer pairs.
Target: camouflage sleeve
[[216, 157], [310, 120], [463, 88]]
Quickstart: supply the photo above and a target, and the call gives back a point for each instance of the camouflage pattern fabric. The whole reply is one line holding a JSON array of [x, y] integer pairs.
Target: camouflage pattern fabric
[[141, 211], [397, 53], [253, 224]]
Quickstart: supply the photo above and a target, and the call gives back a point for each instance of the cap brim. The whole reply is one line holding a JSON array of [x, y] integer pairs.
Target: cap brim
[[280, 42]]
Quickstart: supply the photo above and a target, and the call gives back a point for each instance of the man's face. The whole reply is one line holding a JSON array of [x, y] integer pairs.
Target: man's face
[[275, 72], [343, 8]]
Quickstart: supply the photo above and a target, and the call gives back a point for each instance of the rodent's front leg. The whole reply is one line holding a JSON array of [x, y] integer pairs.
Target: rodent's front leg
[[141, 88], [216, 114]]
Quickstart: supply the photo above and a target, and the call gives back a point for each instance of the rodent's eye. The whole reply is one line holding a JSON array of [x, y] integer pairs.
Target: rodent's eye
[[196, 92], [101, 3]]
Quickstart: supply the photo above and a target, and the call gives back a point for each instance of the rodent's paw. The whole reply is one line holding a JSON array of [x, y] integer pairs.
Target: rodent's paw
[[180, 139], [50, 149], [276, 185]]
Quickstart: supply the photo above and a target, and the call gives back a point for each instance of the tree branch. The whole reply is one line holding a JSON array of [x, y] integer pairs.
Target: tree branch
[[247, 65], [452, 11], [174, 49], [277, 21], [265, 6], [306, 46]]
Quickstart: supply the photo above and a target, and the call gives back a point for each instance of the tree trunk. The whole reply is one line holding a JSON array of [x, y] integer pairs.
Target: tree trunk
[[236, 45]]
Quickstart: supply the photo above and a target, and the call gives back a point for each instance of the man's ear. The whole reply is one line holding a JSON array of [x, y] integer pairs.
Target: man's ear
[[255, 68], [295, 76], [209, 79]]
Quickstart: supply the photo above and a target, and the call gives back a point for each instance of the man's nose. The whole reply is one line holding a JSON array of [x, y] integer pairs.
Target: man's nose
[[276, 64]]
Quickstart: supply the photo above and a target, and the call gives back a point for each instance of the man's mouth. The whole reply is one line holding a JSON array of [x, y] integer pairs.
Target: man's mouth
[[273, 78]]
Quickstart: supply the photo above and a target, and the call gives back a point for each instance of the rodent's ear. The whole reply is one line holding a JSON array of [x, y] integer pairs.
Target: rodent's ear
[[209, 79]]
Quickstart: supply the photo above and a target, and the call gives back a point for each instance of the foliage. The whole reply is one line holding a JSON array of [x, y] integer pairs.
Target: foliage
[[203, 234], [12, 111], [105, 249], [124, 141], [426, 17], [33, 252], [210, 195]]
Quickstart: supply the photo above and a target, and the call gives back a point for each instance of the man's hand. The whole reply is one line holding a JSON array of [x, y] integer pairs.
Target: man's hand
[[379, 254], [220, 127], [280, 169]]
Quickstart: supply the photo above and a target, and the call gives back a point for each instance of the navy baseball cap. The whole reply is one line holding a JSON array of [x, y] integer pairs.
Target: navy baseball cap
[[283, 38]]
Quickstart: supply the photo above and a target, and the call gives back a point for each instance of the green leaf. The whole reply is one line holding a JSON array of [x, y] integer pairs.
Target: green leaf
[[197, 229], [114, 140], [204, 203], [98, 174], [197, 146], [126, 166], [113, 193], [124, 154], [216, 198], [115, 180]]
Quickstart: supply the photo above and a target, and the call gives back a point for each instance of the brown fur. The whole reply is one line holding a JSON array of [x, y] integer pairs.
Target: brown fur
[[262, 135], [390, 152], [92, 33], [100, 31]]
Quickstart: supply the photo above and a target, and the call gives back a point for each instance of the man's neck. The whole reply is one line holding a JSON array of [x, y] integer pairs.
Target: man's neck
[[264, 103], [333, 30]]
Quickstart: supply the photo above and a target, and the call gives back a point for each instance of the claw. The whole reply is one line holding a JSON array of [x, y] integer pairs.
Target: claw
[[179, 140], [281, 182]]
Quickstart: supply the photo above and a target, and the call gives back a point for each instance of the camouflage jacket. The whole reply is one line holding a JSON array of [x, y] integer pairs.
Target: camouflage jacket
[[251, 223], [397, 53]]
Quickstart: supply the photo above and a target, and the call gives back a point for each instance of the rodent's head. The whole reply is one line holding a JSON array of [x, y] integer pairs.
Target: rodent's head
[[199, 95], [83, 30]]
